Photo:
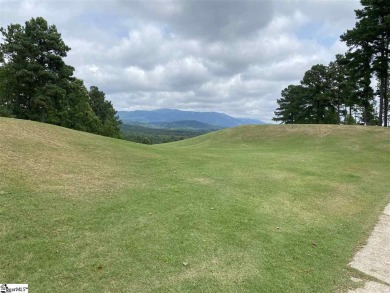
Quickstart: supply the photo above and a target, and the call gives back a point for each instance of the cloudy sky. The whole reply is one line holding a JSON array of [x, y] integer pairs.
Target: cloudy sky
[[231, 56]]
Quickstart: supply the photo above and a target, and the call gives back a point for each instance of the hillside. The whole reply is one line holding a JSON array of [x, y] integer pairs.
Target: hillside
[[172, 115], [163, 132], [249, 209], [155, 134], [186, 125]]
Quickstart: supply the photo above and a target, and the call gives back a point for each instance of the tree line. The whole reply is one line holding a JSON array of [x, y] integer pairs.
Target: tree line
[[150, 135], [36, 84], [341, 92]]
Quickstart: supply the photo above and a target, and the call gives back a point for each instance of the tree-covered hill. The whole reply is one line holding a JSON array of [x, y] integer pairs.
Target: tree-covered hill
[[160, 133]]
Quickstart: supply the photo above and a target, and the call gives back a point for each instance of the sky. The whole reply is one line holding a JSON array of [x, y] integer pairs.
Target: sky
[[230, 56]]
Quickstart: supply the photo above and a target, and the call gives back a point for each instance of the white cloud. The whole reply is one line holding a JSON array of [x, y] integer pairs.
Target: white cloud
[[232, 56]]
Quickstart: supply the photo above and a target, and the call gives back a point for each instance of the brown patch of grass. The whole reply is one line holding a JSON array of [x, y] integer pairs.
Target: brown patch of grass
[[341, 201], [226, 269], [59, 160], [202, 180]]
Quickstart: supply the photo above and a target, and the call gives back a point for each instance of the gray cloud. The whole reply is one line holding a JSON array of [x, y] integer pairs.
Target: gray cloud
[[210, 20], [213, 20]]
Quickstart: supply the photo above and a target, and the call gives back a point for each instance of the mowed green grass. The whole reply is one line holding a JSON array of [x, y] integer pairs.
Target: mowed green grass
[[249, 209]]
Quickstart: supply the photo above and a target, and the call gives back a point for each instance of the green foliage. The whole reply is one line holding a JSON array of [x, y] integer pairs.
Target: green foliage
[[33, 59], [80, 115], [5, 92], [319, 104], [149, 135], [345, 84], [369, 42], [326, 93], [110, 123], [323, 92], [349, 120], [36, 84], [292, 108], [144, 140]]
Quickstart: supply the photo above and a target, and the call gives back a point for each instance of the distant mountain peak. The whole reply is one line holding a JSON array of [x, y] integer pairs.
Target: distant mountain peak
[[217, 119]]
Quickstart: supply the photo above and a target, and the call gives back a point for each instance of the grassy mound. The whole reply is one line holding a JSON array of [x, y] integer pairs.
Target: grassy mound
[[255, 208]]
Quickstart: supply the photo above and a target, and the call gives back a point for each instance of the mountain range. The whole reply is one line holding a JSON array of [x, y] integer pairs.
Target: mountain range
[[174, 118]]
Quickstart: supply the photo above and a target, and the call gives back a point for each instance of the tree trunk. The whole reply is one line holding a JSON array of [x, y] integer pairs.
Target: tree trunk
[[385, 102], [386, 86], [380, 115], [365, 114], [382, 67]]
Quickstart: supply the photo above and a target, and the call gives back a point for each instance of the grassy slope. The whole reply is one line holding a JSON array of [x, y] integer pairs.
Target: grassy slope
[[256, 208]]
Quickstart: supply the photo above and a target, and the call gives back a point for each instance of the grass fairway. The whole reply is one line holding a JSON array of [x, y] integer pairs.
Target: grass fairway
[[249, 209]]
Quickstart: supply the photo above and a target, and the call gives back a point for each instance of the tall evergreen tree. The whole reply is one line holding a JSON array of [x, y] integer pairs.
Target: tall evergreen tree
[[293, 106], [328, 92], [359, 69], [371, 36], [110, 123], [80, 115], [343, 88], [7, 84], [318, 84], [33, 58]]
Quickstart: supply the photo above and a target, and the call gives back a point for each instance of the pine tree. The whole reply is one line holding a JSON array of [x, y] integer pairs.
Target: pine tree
[[292, 106], [358, 65], [79, 114], [317, 83], [33, 59], [109, 121], [370, 37]]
